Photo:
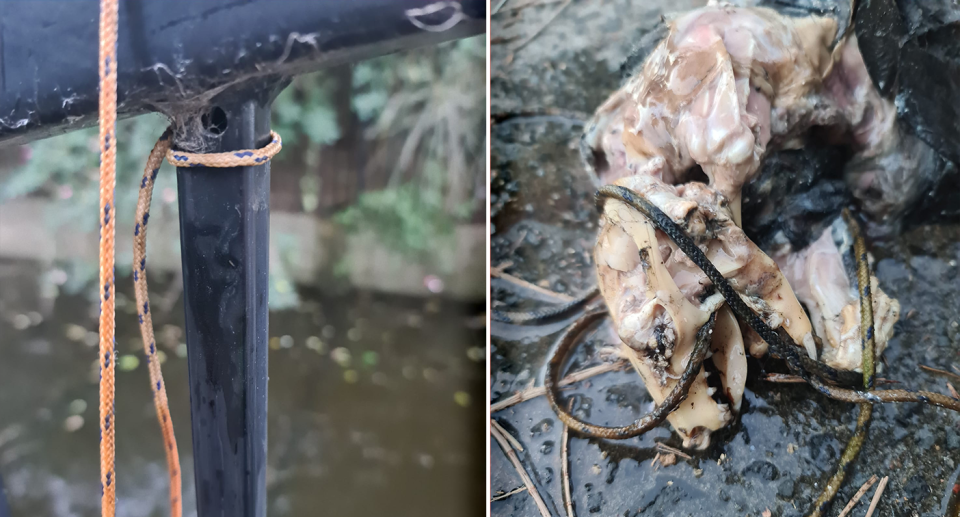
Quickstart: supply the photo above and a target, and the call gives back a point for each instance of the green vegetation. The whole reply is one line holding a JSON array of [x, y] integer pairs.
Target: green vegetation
[[419, 114]]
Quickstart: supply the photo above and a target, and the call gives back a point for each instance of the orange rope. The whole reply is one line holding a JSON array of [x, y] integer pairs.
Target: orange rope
[[146, 322], [245, 158], [160, 149], [109, 22], [108, 182]]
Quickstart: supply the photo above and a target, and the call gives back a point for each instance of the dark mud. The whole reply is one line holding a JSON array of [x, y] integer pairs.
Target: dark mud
[[397, 431], [788, 438]]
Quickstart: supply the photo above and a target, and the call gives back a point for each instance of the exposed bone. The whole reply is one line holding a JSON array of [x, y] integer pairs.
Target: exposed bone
[[829, 291], [658, 299]]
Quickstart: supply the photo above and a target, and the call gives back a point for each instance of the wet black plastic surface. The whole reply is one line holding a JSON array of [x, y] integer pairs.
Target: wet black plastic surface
[[912, 52], [224, 235], [173, 53]]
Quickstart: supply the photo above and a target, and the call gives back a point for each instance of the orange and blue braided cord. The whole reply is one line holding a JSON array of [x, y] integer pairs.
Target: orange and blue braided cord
[[109, 24], [162, 149], [108, 181], [146, 322]]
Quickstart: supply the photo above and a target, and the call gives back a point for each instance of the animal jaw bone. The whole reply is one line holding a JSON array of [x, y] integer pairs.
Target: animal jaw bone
[[658, 298]]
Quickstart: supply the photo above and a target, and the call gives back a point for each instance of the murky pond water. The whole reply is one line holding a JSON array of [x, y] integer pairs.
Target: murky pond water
[[375, 407], [787, 439]]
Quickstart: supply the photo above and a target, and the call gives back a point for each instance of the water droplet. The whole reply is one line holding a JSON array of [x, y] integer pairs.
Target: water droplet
[[58, 276], [341, 356], [314, 343], [129, 363], [414, 320], [433, 283], [286, 341], [21, 321], [477, 354], [78, 406], [426, 461], [547, 447], [76, 332], [73, 423], [523, 376], [328, 331], [543, 426]]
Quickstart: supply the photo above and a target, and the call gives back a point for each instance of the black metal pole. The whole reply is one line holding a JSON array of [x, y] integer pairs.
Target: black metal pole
[[173, 53], [224, 232]]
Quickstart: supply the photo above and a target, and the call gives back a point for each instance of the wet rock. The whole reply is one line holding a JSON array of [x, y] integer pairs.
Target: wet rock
[[665, 500], [547, 447], [823, 449], [953, 439], [541, 427], [547, 476], [916, 488], [629, 395], [904, 427], [762, 469], [582, 406], [924, 439], [786, 488], [595, 502]]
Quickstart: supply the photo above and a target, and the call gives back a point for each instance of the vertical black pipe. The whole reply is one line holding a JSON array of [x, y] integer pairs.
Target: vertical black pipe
[[224, 234]]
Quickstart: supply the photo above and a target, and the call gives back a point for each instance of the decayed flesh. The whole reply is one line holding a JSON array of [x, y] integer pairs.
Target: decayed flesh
[[822, 282], [718, 89], [658, 298], [888, 172], [729, 84], [723, 88]]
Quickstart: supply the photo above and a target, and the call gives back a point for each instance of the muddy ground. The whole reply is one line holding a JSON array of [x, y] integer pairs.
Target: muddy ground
[[787, 439]]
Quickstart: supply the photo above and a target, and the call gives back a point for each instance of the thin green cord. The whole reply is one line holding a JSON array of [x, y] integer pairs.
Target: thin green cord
[[868, 346]]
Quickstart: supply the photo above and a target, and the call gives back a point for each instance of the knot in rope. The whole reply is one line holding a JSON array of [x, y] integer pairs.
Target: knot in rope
[[109, 23]]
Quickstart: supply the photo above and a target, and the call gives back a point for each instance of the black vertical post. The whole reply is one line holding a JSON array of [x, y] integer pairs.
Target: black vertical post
[[224, 239]]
